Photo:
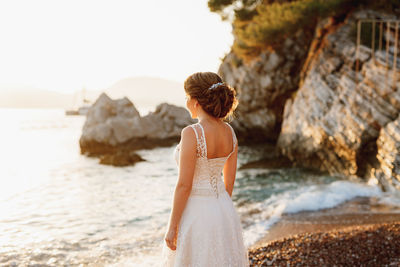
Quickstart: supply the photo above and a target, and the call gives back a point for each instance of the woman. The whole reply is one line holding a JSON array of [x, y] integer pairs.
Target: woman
[[204, 228]]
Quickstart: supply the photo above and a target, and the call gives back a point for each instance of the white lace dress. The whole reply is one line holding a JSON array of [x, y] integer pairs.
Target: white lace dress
[[209, 233]]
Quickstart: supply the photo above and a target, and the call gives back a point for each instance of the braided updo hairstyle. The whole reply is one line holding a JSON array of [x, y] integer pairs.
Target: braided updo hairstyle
[[219, 101]]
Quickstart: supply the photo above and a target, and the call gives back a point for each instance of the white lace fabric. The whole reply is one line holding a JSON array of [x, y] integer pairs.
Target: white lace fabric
[[209, 232], [207, 169]]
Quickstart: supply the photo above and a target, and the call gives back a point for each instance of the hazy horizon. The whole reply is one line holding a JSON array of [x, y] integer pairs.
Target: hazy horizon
[[158, 90], [66, 46]]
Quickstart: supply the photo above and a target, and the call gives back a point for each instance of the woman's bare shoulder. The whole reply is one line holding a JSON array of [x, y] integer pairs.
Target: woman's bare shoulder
[[188, 133]]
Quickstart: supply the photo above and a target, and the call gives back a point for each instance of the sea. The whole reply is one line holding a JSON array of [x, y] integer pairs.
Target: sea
[[61, 208]]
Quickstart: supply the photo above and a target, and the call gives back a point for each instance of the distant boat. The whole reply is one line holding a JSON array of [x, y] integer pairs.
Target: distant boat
[[83, 107]]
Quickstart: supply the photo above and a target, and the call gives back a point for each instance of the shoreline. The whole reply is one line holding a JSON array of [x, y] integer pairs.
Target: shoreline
[[359, 231], [287, 229]]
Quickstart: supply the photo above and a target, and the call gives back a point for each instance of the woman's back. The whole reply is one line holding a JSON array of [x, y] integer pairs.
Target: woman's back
[[219, 141]]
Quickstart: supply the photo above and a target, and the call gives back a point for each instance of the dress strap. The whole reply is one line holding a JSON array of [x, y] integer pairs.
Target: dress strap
[[234, 139], [201, 141]]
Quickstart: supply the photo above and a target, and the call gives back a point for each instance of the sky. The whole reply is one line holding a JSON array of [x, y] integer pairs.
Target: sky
[[64, 46]]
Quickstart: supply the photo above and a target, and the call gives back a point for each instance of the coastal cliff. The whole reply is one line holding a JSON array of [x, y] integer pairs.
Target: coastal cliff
[[314, 104], [264, 85], [333, 121]]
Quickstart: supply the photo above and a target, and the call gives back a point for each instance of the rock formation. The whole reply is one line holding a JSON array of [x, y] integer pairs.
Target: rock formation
[[388, 145], [335, 118], [263, 86], [308, 97], [114, 129]]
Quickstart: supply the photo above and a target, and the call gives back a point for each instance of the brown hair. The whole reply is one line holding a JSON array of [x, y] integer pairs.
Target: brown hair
[[219, 101]]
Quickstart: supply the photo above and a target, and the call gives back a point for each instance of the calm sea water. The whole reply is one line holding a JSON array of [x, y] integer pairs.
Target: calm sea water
[[60, 208]]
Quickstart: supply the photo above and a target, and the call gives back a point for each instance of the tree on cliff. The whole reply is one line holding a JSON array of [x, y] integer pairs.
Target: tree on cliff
[[263, 24]]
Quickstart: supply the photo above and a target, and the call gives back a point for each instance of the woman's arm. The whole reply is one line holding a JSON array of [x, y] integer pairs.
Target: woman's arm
[[229, 171], [187, 162]]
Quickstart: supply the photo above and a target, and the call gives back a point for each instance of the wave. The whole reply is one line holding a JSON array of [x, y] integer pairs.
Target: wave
[[305, 198]]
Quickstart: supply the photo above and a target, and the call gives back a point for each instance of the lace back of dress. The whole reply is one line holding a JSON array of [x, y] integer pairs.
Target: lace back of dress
[[212, 166], [201, 141]]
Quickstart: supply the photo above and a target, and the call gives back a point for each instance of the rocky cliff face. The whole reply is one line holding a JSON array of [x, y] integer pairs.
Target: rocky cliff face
[[388, 145], [338, 120], [263, 86], [335, 118]]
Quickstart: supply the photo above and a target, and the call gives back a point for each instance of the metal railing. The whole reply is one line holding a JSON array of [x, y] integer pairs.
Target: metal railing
[[392, 27]]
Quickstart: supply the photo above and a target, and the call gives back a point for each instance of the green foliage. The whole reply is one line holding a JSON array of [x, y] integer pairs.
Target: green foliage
[[385, 5], [219, 5], [264, 24], [245, 14], [274, 22]]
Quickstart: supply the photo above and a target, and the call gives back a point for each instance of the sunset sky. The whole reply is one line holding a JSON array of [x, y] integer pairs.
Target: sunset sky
[[66, 45]]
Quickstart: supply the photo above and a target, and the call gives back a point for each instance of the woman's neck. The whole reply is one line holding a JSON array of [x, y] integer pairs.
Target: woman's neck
[[208, 118]]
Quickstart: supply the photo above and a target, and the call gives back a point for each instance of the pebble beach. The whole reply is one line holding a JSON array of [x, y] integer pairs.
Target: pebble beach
[[347, 235], [359, 232], [364, 245]]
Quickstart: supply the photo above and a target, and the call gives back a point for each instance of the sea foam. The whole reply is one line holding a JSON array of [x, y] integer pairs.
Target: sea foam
[[304, 198]]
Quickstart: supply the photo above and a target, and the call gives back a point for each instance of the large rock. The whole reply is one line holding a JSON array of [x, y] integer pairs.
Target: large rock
[[114, 128], [332, 123], [108, 120], [263, 85], [388, 170]]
